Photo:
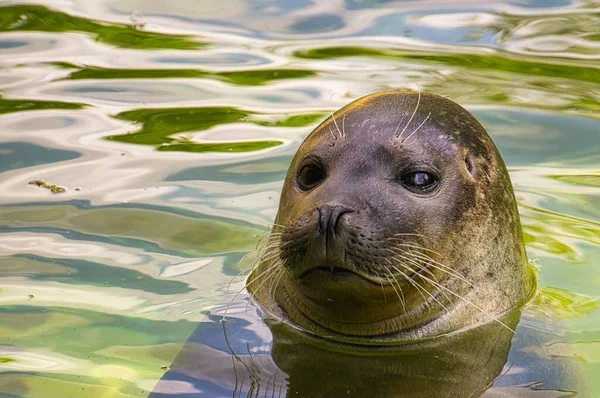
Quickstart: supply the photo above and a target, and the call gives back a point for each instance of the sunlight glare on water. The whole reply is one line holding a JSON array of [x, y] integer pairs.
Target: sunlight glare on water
[[170, 126]]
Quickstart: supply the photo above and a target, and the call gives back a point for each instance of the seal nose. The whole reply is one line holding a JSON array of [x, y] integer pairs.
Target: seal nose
[[329, 216]]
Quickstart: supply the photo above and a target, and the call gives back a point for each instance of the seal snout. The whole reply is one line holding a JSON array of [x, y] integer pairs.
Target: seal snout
[[318, 239], [329, 217], [332, 247]]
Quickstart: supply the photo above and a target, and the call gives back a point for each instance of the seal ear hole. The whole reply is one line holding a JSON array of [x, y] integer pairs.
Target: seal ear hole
[[309, 176], [469, 163]]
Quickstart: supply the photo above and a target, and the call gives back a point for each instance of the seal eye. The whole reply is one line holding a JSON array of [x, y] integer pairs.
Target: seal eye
[[419, 181], [309, 176]]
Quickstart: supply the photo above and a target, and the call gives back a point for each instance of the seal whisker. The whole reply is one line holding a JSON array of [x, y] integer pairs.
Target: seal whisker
[[344, 126], [417, 129], [398, 126], [405, 276], [272, 238], [262, 275], [269, 250], [383, 290], [412, 261], [276, 233], [408, 234], [434, 282], [267, 235], [232, 301], [336, 125], [441, 267], [399, 257], [271, 246], [435, 264], [398, 293], [266, 253], [272, 275], [421, 287], [274, 281], [272, 269], [240, 274], [332, 135], [271, 258], [414, 245], [411, 116], [431, 262], [484, 312], [277, 225], [244, 271], [284, 244], [396, 286], [260, 252], [412, 282], [271, 253], [417, 246], [398, 236]]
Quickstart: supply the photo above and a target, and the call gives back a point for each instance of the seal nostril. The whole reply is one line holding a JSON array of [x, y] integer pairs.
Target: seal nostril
[[329, 217]]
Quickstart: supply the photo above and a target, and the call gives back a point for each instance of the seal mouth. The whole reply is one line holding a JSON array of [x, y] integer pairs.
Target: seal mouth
[[338, 274], [334, 270]]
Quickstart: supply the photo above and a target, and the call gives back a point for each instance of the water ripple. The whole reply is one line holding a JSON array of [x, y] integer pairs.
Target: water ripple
[[171, 126]]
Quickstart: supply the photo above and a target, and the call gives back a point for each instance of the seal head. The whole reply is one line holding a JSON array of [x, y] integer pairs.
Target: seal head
[[397, 223]]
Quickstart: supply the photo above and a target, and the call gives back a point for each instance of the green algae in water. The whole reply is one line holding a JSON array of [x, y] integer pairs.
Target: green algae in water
[[590, 180], [19, 105], [259, 77], [496, 62], [245, 78], [159, 125], [42, 19], [219, 147], [302, 120], [561, 303]]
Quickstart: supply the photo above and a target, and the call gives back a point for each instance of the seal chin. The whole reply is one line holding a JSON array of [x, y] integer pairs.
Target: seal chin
[[341, 295]]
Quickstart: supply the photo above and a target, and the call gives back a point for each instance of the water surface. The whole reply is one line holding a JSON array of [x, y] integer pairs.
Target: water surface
[[170, 126]]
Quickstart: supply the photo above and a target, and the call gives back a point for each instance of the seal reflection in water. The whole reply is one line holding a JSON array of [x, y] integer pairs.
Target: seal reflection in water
[[396, 265]]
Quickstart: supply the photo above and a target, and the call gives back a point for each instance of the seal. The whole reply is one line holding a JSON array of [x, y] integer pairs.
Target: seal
[[397, 224], [395, 268]]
